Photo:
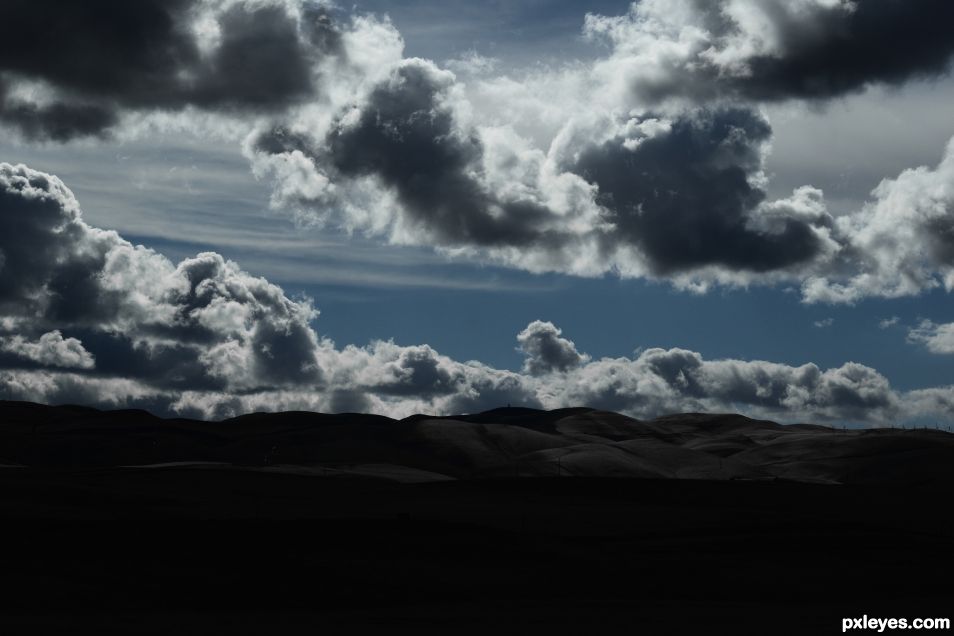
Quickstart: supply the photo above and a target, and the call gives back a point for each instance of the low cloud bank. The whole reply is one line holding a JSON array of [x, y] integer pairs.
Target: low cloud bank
[[87, 317]]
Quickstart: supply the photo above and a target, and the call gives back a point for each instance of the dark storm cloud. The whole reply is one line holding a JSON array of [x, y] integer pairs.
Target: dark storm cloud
[[103, 57], [166, 365], [58, 121], [117, 50], [841, 51], [688, 203], [629, 182], [260, 62], [777, 50], [407, 136], [686, 196]]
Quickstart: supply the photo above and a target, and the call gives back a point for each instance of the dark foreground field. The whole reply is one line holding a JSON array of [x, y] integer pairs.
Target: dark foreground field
[[279, 548]]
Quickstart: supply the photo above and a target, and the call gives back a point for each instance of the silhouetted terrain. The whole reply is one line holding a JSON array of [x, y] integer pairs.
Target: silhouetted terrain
[[124, 522], [510, 442]]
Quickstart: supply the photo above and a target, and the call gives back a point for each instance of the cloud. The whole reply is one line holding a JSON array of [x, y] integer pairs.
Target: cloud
[[404, 163], [770, 50], [592, 170], [407, 137], [935, 403], [824, 323], [605, 167], [58, 121], [659, 197], [473, 63], [202, 322], [201, 335], [72, 388], [415, 156], [886, 323], [50, 350], [937, 338], [204, 338], [51, 259], [662, 381], [900, 244], [546, 351], [71, 70], [417, 378], [688, 196]]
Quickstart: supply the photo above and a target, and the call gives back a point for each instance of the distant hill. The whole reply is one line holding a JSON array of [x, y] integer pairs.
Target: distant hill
[[502, 443]]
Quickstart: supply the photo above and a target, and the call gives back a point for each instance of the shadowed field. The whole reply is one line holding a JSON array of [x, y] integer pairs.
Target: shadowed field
[[292, 522]]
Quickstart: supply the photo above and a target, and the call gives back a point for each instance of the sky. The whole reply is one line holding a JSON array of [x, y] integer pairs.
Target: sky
[[211, 207]]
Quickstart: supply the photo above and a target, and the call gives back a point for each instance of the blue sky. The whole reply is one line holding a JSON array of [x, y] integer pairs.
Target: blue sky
[[180, 192]]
